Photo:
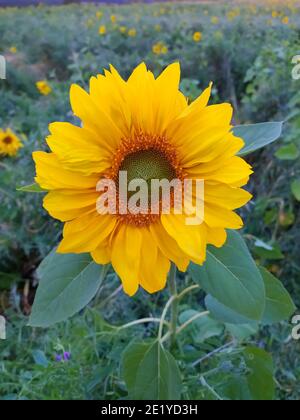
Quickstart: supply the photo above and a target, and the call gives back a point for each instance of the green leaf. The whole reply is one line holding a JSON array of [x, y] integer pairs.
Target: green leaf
[[224, 314], [257, 136], [33, 188], [261, 376], [239, 326], [202, 328], [68, 282], [132, 357], [150, 372], [242, 331], [230, 275], [295, 187], [40, 358], [287, 152], [279, 304], [236, 389]]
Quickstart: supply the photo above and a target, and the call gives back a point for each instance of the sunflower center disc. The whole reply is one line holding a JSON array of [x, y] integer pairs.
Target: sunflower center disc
[[147, 165], [7, 140]]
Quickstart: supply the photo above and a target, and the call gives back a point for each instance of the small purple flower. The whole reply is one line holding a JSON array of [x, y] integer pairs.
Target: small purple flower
[[67, 356], [58, 358]]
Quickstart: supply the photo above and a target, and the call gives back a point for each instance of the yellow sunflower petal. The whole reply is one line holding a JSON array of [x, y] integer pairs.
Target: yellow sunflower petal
[[198, 104], [125, 256], [152, 280], [226, 196], [94, 230], [102, 254], [168, 246], [65, 206], [216, 236], [216, 216], [185, 131], [51, 175], [94, 118], [230, 171], [191, 239], [169, 101], [213, 147], [78, 149]]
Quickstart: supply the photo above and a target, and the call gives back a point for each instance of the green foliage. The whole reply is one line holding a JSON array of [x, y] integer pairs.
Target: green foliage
[[67, 284], [260, 379], [231, 276], [151, 372], [279, 305], [295, 187], [257, 136]]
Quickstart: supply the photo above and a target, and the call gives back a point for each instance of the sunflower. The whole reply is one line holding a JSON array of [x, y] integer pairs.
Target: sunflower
[[9, 143], [145, 126], [197, 36], [43, 87]]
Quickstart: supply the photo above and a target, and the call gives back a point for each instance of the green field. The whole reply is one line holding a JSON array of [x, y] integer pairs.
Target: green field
[[246, 50]]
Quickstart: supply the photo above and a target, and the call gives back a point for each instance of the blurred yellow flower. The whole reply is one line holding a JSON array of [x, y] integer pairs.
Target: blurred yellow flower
[[9, 143], [232, 14], [159, 48], [214, 20], [197, 36], [99, 14], [157, 28], [13, 50], [102, 30], [285, 20], [132, 32], [123, 29], [113, 19], [275, 14], [43, 87]]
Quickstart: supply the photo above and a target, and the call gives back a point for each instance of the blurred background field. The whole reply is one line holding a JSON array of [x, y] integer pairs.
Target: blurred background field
[[246, 49]]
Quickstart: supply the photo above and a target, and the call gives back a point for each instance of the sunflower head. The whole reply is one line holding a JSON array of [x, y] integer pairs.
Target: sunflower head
[[145, 128], [43, 87], [9, 143], [197, 36]]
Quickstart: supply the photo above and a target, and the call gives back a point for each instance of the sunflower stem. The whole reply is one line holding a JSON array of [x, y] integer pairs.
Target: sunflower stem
[[174, 304]]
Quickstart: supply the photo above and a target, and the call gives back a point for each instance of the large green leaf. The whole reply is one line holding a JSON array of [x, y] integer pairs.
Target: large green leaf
[[279, 304], [239, 326], [257, 136], [67, 284], [224, 314], [150, 372], [230, 275], [261, 373]]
